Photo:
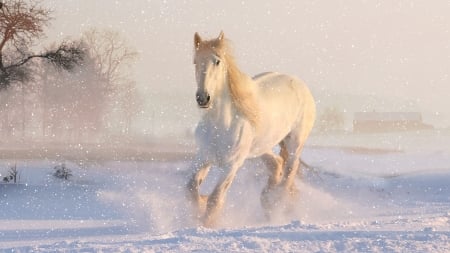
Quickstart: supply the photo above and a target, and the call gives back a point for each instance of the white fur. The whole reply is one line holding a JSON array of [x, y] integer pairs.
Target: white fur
[[226, 137]]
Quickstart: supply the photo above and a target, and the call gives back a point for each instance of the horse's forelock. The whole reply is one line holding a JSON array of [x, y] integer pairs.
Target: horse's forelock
[[219, 47]]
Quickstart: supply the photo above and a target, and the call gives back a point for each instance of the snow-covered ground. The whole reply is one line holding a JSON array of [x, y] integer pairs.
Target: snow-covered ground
[[372, 194]]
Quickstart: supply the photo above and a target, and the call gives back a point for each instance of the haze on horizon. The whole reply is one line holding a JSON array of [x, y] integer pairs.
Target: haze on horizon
[[357, 55]]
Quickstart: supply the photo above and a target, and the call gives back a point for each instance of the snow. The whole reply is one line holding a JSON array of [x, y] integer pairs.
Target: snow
[[372, 198]]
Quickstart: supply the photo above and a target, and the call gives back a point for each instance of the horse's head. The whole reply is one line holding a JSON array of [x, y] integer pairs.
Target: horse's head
[[210, 71]]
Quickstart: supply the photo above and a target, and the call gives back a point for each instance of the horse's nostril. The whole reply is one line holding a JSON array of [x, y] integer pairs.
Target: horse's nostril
[[202, 98]]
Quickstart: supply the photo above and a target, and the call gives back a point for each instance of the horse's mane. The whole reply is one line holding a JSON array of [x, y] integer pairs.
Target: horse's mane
[[242, 89]]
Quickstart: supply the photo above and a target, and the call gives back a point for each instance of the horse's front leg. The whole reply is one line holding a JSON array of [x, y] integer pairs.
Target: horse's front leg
[[217, 197], [198, 201]]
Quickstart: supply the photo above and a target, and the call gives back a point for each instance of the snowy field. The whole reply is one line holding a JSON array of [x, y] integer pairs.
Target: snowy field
[[386, 193]]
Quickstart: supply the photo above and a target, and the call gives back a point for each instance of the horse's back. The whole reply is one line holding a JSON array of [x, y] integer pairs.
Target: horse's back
[[277, 81], [286, 105], [270, 79], [286, 89], [263, 75]]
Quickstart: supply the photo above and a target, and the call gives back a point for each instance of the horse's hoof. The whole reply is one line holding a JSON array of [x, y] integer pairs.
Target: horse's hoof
[[208, 222], [202, 203]]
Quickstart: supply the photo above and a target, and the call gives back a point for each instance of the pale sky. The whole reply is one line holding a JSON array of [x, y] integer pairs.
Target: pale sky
[[355, 54]]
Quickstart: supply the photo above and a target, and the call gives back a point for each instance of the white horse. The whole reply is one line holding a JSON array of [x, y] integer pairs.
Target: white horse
[[245, 118]]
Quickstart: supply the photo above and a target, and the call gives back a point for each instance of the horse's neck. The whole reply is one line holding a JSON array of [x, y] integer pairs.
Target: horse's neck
[[243, 92]]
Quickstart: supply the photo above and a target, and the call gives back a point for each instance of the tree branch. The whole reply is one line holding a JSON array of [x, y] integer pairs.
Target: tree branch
[[66, 56]]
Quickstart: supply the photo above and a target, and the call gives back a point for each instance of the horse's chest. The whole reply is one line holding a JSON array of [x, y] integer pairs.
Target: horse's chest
[[222, 143], [218, 139]]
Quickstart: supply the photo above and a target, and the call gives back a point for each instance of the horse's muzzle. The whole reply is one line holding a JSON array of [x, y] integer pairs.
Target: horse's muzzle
[[203, 99]]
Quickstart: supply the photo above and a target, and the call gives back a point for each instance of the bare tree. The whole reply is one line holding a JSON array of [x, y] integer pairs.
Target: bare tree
[[77, 104], [130, 104], [72, 103], [21, 24], [113, 57]]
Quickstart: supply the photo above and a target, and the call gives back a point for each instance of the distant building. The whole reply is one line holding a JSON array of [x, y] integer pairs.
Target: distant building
[[388, 121]]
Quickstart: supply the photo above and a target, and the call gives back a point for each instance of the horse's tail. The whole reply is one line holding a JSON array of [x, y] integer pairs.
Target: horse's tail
[[306, 166], [317, 171]]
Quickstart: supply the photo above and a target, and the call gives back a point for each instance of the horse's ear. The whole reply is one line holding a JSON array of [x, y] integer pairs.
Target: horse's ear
[[221, 36], [197, 41]]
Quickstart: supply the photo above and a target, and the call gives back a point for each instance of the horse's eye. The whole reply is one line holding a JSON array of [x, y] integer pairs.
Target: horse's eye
[[216, 62]]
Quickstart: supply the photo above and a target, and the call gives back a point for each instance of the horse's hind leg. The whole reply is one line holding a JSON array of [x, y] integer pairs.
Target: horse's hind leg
[[275, 165], [294, 142], [294, 145]]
